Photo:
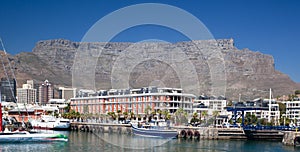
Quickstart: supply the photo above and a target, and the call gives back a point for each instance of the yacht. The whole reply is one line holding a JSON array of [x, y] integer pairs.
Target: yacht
[[48, 122]]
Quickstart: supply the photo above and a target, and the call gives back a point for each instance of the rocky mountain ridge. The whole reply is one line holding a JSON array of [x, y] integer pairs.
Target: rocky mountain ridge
[[203, 65]]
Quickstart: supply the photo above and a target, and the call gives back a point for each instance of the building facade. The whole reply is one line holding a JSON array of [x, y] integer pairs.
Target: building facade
[[261, 108], [27, 94], [209, 105], [134, 100], [67, 93], [293, 111], [46, 92], [8, 90]]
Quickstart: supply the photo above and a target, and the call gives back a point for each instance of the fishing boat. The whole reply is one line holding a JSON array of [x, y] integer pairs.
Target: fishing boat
[[48, 122], [154, 129]]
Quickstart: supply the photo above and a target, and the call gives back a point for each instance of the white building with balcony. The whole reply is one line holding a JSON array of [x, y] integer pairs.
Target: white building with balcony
[[293, 111]]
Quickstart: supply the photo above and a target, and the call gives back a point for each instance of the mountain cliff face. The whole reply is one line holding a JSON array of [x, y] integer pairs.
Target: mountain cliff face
[[206, 66]]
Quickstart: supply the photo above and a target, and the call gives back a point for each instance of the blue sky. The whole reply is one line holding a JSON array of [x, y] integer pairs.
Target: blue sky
[[270, 27]]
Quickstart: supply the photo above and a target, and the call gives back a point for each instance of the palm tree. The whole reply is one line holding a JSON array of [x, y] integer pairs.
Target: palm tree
[[147, 111], [125, 114], [195, 119], [131, 115], [181, 116], [204, 114], [216, 114], [166, 114], [119, 113], [159, 113], [112, 115]]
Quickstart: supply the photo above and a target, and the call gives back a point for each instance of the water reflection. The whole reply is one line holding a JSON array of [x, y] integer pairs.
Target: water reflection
[[89, 142], [128, 141]]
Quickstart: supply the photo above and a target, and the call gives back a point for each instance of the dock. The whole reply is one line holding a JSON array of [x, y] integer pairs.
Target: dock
[[186, 132], [183, 131], [291, 138]]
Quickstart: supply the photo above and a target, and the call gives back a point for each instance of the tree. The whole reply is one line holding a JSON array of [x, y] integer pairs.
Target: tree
[[229, 103], [159, 113], [132, 115], [204, 114], [250, 119], [180, 116], [147, 112], [297, 92], [282, 108], [195, 115], [195, 118], [216, 114], [112, 115], [119, 111], [125, 114], [291, 97]]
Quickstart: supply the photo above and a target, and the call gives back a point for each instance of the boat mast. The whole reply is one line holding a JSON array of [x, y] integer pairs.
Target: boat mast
[[12, 72], [269, 120], [0, 112]]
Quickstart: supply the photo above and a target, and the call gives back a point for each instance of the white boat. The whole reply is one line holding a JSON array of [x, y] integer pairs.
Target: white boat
[[24, 136], [48, 122]]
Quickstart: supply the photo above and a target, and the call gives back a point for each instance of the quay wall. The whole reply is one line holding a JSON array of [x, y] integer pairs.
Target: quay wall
[[183, 132], [289, 137], [210, 133], [101, 127]]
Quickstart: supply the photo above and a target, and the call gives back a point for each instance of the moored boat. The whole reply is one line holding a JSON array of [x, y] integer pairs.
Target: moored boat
[[154, 130], [51, 123], [24, 136]]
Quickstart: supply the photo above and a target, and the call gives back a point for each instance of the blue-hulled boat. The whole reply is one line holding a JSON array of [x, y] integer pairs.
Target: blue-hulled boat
[[153, 131]]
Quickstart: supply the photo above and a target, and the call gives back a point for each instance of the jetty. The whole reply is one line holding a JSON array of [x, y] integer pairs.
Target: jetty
[[287, 137]]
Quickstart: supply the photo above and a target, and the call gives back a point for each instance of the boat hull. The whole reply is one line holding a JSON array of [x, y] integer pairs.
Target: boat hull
[[51, 125], [27, 137], [39, 127], [156, 133]]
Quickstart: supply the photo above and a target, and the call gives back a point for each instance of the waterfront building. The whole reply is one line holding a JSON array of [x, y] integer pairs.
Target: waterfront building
[[133, 100], [209, 105], [66, 93], [260, 108], [61, 104], [8, 89], [263, 110], [45, 92], [27, 94], [293, 111]]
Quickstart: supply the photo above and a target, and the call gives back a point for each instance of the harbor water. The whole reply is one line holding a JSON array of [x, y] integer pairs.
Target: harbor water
[[89, 142]]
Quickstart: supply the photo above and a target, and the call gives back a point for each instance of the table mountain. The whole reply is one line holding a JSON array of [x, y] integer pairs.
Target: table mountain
[[211, 67]]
